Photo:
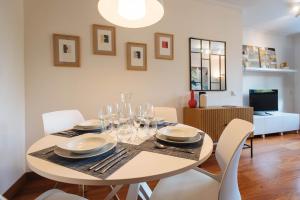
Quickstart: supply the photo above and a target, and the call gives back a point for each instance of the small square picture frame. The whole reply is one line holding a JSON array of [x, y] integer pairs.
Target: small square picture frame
[[104, 40], [136, 56], [164, 46], [66, 50]]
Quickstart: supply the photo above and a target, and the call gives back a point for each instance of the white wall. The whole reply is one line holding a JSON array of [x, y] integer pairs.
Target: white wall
[[296, 42], [12, 101], [283, 82], [101, 78]]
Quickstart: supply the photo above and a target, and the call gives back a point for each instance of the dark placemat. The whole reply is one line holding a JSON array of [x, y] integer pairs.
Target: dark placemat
[[74, 132], [196, 147], [83, 165]]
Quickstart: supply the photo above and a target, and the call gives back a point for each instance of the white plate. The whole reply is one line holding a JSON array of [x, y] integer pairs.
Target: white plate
[[88, 125], [179, 133], [83, 144], [67, 154], [193, 140]]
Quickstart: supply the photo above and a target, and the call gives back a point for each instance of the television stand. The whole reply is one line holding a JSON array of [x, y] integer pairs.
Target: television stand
[[278, 122], [260, 113]]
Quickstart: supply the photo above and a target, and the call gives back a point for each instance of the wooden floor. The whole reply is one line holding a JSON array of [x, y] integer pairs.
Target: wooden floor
[[273, 173]]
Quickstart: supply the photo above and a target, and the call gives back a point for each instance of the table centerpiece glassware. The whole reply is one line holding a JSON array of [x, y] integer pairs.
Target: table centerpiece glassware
[[103, 118], [125, 117], [149, 115]]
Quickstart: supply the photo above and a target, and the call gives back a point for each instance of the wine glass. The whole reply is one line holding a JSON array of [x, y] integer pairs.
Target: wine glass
[[148, 115], [138, 119], [113, 118], [116, 114], [138, 116], [103, 117]]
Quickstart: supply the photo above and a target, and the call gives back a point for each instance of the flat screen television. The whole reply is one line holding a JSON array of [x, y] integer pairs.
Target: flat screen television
[[263, 100]]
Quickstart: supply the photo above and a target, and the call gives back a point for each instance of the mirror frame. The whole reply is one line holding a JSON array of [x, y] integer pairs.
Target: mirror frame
[[201, 63]]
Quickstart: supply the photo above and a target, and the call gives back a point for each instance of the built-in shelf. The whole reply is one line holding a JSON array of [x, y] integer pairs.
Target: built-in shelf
[[252, 69]]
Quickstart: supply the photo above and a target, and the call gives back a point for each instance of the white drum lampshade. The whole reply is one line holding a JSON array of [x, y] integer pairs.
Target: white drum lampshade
[[131, 13]]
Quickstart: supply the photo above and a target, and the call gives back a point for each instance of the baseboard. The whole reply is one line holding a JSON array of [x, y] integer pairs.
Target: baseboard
[[17, 186]]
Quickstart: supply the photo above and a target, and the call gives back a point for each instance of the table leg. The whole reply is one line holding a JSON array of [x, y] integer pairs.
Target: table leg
[[251, 147], [146, 190], [133, 191], [114, 192], [141, 190]]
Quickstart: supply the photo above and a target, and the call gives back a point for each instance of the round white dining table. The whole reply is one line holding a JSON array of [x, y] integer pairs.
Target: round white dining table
[[145, 166]]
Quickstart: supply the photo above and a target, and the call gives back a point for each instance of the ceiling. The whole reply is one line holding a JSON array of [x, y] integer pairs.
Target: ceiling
[[268, 15]]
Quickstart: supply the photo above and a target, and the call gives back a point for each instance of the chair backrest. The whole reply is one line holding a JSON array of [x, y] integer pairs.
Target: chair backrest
[[228, 153], [61, 120], [167, 113]]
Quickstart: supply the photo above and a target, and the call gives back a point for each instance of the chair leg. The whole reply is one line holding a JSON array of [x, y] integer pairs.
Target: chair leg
[[251, 147], [55, 185], [141, 195], [82, 189]]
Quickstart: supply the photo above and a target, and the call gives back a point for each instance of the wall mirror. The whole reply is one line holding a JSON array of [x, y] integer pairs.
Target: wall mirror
[[207, 65]]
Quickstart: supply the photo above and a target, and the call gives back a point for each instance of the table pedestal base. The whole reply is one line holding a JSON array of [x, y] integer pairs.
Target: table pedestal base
[[141, 190], [114, 192]]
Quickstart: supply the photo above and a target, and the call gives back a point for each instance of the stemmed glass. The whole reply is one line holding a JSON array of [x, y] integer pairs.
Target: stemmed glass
[[148, 115], [138, 119], [103, 118], [113, 116]]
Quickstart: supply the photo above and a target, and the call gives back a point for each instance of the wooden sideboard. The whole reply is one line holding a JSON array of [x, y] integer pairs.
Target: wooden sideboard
[[213, 120]]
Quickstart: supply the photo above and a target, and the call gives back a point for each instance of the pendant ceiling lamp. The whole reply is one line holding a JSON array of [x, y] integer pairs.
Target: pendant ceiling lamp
[[294, 6], [296, 10], [131, 13]]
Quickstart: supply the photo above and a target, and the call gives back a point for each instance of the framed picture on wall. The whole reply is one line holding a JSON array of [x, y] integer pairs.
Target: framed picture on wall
[[271, 54], [251, 57], [264, 61], [66, 50], [267, 57], [137, 56], [164, 46], [104, 40]]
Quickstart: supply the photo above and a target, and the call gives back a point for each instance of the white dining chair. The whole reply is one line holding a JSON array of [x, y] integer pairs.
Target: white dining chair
[[198, 184], [55, 122], [61, 120], [64, 120], [167, 113], [56, 194]]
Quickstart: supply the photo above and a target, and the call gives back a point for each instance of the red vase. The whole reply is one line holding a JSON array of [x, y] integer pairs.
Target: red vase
[[192, 101]]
